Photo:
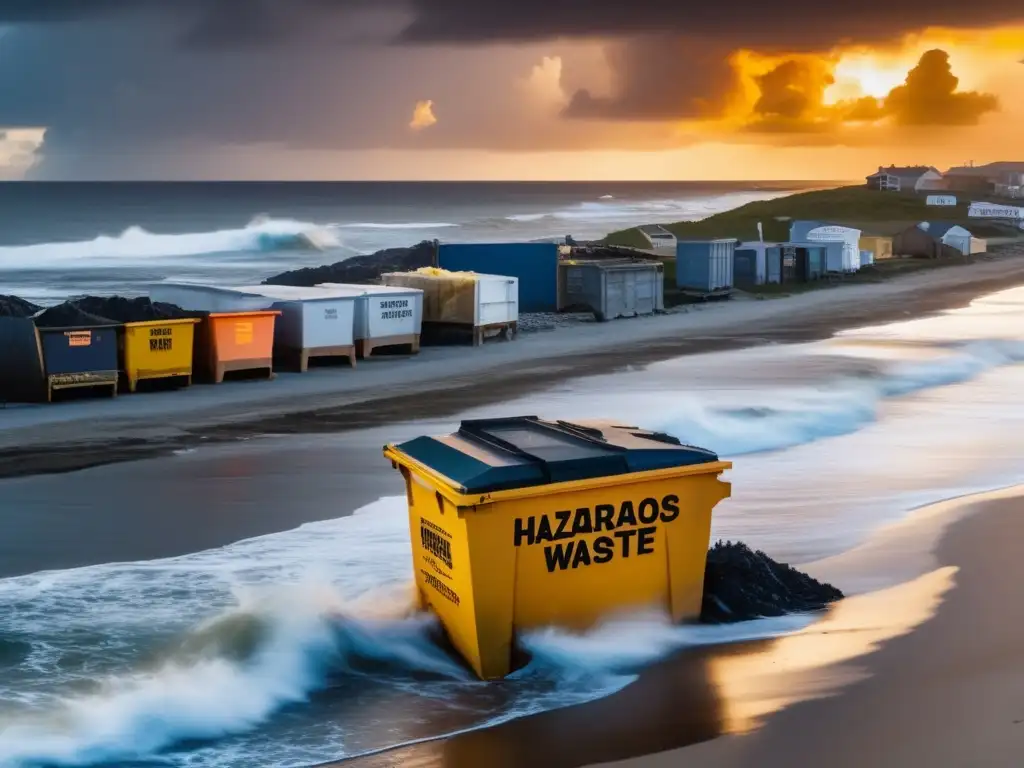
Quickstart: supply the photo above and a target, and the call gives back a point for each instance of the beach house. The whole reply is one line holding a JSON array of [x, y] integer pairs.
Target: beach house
[[915, 178]]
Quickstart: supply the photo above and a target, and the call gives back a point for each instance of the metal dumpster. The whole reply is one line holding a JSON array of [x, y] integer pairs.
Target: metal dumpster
[[613, 288], [523, 523], [158, 349], [79, 357], [236, 341], [385, 316]]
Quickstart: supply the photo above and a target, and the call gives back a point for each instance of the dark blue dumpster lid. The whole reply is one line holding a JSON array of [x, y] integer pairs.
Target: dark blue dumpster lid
[[488, 455]]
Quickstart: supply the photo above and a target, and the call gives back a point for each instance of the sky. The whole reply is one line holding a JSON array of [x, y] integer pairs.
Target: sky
[[532, 89]]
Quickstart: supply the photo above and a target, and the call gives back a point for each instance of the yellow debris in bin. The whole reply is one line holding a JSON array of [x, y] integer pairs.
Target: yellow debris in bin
[[524, 523]]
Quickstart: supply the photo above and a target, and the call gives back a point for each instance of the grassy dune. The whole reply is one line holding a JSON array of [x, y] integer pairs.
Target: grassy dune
[[877, 213]]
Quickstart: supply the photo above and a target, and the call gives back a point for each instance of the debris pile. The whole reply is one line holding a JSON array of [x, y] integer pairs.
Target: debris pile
[[12, 306], [123, 310], [108, 310], [741, 584], [361, 269]]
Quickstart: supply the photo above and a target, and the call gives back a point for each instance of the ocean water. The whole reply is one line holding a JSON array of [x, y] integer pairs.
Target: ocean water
[[300, 646], [60, 239]]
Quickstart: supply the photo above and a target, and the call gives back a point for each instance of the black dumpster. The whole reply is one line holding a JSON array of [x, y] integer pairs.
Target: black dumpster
[[21, 361], [79, 357]]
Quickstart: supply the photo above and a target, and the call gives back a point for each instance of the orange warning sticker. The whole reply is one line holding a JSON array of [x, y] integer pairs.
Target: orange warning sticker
[[79, 338]]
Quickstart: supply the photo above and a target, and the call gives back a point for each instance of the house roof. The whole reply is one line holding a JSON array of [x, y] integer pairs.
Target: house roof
[[903, 171]]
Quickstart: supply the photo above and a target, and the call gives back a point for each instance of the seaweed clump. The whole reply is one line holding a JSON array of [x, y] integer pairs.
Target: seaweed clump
[[742, 584]]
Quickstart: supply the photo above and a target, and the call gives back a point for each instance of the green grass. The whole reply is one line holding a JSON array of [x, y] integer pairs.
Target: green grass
[[876, 213]]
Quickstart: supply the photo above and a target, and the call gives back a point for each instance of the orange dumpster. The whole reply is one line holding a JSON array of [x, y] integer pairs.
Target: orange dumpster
[[236, 341]]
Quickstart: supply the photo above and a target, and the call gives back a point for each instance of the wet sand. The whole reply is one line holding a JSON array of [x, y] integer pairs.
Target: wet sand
[[444, 381], [871, 690]]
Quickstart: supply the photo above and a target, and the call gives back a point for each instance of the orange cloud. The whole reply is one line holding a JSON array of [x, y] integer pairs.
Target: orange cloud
[[790, 95], [423, 115]]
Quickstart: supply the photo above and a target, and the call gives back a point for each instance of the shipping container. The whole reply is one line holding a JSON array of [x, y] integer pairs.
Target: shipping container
[[757, 263], [880, 246], [493, 557], [803, 262], [705, 267], [385, 316], [534, 265], [612, 289], [75, 358], [486, 305]]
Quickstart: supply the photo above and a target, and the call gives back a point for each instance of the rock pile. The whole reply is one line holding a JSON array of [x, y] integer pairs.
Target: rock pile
[[107, 310], [360, 269], [12, 306], [741, 584]]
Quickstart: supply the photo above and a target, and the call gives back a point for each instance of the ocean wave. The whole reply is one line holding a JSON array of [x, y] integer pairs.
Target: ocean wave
[[227, 677], [610, 209], [262, 234], [400, 225], [320, 611]]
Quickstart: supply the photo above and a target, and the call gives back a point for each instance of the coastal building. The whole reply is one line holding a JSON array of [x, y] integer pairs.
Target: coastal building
[[922, 243], [757, 263], [916, 178], [705, 267], [840, 259]]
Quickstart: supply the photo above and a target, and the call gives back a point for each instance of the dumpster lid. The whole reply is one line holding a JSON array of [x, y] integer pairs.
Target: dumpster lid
[[487, 455]]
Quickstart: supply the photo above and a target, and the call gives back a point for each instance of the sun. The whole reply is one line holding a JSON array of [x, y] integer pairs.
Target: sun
[[865, 75]]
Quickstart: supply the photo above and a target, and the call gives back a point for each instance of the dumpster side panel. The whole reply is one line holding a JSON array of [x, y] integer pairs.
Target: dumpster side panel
[[587, 554], [69, 353], [474, 606], [688, 538], [328, 323], [21, 367], [158, 349]]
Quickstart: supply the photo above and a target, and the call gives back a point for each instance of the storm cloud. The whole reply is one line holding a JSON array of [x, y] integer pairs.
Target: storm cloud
[[131, 83]]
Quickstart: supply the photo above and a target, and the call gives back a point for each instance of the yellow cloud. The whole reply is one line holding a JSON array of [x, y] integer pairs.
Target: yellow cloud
[[423, 115]]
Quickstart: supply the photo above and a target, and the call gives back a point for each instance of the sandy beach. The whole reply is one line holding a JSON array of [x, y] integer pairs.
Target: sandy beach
[[76, 435], [927, 672]]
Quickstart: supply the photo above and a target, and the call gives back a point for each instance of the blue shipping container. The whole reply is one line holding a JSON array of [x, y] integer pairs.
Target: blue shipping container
[[705, 266], [535, 264]]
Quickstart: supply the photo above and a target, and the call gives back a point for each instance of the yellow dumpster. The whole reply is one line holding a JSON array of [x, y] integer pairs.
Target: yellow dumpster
[[158, 349], [523, 523]]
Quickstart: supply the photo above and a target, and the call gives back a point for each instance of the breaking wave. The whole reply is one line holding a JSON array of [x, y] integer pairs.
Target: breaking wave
[[800, 416], [112, 672], [262, 234], [400, 225]]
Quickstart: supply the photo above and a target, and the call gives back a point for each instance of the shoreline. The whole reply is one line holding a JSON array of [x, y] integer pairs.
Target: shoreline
[[65, 437], [878, 669]]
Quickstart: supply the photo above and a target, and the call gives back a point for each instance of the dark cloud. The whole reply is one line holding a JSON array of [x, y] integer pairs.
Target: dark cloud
[[739, 21], [930, 96], [658, 78]]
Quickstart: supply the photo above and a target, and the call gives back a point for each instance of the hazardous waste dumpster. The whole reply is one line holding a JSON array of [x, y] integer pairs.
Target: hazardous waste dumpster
[[523, 523]]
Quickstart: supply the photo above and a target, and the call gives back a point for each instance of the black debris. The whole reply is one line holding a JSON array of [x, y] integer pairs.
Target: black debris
[[741, 584], [361, 269], [124, 310], [69, 315], [12, 306]]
